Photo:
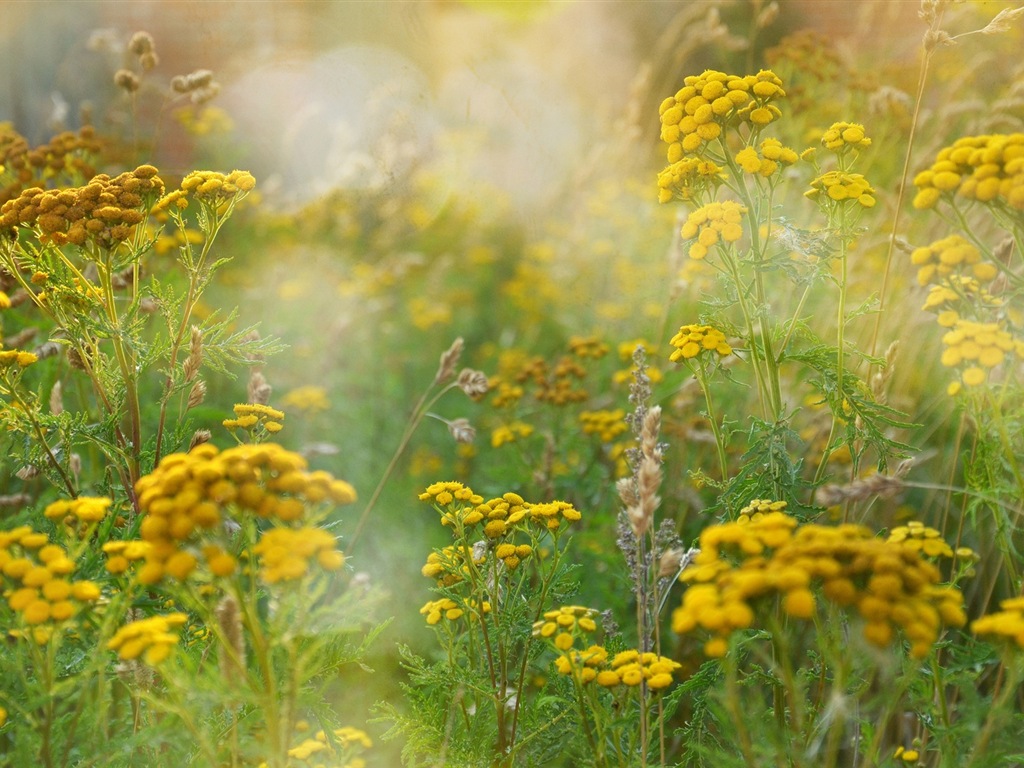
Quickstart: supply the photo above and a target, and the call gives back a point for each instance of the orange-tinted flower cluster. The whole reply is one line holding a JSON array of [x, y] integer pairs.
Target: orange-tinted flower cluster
[[188, 498], [104, 212], [67, 154], [987, 169], [35, 579], [770, 555]]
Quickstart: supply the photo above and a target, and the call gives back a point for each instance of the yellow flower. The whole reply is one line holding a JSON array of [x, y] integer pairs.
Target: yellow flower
[[711, 223], [693, 340]]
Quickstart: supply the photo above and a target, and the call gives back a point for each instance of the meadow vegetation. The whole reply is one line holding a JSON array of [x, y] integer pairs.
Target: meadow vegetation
[[724, 467]]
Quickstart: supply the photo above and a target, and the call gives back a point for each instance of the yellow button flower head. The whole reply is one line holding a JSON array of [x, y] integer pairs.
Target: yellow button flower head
[[842, 136], [771, 157], [746, 566], [987, 168], [949, 256], [188, 497], [564, 624], [607, 424], [841, 186], [1006, 625], [976, 348], [688, 179], [153, 638], [693, 340], [713, 223], [708, 103]]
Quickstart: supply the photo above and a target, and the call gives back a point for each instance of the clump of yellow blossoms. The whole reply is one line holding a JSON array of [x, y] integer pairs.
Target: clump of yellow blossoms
[[607, 425], [842, 136], [458, 505], [588, 347], [153, 638], [309, 399], [503, 434], [254, 416], [708, 102], [448, 609], [564, 624], [946, 257], [188, 497], [1007, 623], [917, 536], [347, 738], [766, 160], [450, 565], [84, 509], [745, 565], [984, 168], [712, 223], [840, 186], [36, 584], [977, 348], [692, 340], [688, 178], [16, 358], [103, 212]]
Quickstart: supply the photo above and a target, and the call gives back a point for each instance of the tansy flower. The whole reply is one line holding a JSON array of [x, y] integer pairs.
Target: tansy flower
[[976, 348], [607, 425], [950, 256], [986, 168], [153, 638], [842, 136], [692, 340], [713, 223], [771, 158], [743, 567], [510, 433], [564, 624], [1007, 624], [689, 179], [841, 186], [309, 399]]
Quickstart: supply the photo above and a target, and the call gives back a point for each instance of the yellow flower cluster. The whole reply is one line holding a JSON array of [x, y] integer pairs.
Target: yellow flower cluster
[[708, 102], [768, 160], [907, 755], [712, 223], [188, 496], [950, 255], [66, 153], [952, 292], [448, 609], [915, 535], [254, 416], [588, 346], [105, 211], [503, 434], [977, 348], [121, 554], [153, 638], [551, 514], [17, 358], [563, 624], [607, 425], [84, 509], [505, 394], [34, 581], [843, 136], [631, 667], [626, 668], [688, 179], [889, 584], [309, 399], [840, 186], [451, 564], [985, 168], [348, 738], [512, 554], [285, 554], [692, 340], [210, 185], [626, 350], [758, 508], [1007, 623]]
